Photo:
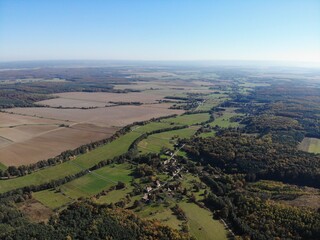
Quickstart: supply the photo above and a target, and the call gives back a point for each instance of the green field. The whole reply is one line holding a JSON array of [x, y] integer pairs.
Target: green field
[[188, 119], [155, 142], [151, 126], [98, 180], [207, 105], [86, 186], [224, 120], [207, 134], [84, 161], [51, 198], [188, 183], [212, 100], [2, 167], [311, 145], [115, 195], [160, 213], [201, 223]]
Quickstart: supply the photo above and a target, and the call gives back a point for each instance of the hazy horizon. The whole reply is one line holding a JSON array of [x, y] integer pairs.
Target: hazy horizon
[[271, 31], [20, 64]]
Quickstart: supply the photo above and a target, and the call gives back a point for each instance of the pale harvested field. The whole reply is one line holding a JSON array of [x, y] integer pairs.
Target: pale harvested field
[[13, 120], [33, 134], [99, 99], [25, 132], [103, 117], [49, 144], [69, 103], [4, 142]]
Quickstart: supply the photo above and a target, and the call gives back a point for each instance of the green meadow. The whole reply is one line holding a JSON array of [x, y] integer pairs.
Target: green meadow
[[86, 186], [224, 120], [155, 142], [115, 195], [188, 119], [51, 198], [2, 167], [201, 223], [161, 213], [207, 134], [98, 180]]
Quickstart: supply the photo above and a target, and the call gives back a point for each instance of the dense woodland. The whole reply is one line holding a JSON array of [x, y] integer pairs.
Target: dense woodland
[[278, 118], [88, 221], [260, 158]]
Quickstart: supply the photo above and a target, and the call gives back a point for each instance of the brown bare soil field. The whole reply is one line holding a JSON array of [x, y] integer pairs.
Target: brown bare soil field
[[28, 135], [69, 103], [103, 117], [4, 142], [13, 120], [49, 144], [25, 132], [99, 99]]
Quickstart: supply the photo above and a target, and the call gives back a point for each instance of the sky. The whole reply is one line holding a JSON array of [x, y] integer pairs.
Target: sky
[[271, 30]]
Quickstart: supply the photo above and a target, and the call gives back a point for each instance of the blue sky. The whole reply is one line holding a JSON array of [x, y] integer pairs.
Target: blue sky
[[160, 30]]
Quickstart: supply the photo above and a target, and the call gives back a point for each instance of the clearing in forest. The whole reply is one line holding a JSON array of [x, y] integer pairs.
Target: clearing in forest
[[311, 145]]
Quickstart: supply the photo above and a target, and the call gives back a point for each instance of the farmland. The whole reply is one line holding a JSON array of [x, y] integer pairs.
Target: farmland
[[85, 186], [154, 143], [212, 100], [223, 119], [115, 195], [70, 119], [189, 119], [41, 133], [201, 223], [51, 198], [85, 99], [311, 145], [84, 161], [97, 180], [103, 117]]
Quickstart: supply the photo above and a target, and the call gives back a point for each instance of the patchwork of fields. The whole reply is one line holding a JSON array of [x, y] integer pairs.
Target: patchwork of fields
[[73, 119], [76, 118], [84, 161], [28, 135], [85, 186]]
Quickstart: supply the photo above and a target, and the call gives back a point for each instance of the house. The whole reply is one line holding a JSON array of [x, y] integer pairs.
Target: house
[[158, 183], [168, 153], [145, 197]]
